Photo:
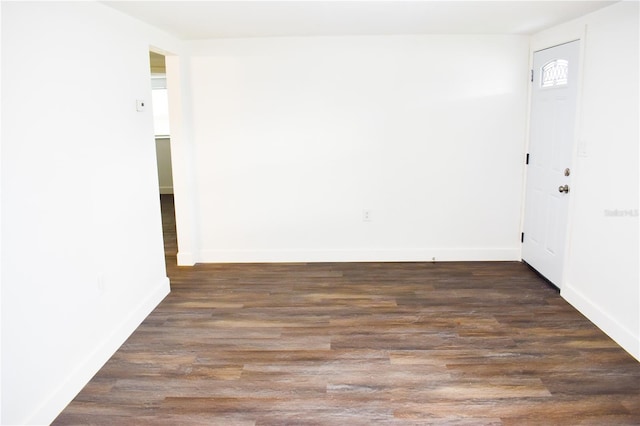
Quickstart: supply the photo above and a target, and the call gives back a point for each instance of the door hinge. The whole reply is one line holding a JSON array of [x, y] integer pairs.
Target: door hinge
[[532, 76], [526, 161], [522, 237]]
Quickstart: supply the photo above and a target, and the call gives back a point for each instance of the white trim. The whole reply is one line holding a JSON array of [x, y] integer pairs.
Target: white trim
[[577, 135], [182, 157], [67, 390], [603, 320], [355, 255], [185, 259]]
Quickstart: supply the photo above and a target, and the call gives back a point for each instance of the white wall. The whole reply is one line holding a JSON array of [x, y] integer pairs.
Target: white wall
[[83, 260], [602, 278], [295, 137], [1, 257]]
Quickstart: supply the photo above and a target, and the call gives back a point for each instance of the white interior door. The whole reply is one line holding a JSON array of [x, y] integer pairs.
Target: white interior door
[[553, 112]]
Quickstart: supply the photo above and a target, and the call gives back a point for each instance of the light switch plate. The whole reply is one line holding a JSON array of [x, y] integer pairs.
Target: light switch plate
[[140, 105]]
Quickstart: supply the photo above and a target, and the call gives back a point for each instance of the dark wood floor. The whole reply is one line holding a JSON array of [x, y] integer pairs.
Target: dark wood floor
[[361, 343]]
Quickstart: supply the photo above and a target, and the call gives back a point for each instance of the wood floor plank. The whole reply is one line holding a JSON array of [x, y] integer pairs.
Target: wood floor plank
[[475, 343]]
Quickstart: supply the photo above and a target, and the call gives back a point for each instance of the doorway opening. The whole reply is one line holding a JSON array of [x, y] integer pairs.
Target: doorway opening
[[162, 133]]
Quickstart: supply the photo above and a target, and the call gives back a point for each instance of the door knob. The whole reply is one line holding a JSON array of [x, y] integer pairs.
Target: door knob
[[564, 188]]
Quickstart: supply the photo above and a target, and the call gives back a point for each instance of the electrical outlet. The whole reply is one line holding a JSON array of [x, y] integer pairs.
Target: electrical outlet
[[367, 215]]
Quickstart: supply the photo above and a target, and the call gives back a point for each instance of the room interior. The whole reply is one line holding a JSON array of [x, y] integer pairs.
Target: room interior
[[300, 132]]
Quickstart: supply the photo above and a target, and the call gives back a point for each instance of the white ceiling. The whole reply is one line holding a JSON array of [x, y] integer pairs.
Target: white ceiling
[[192, 20]]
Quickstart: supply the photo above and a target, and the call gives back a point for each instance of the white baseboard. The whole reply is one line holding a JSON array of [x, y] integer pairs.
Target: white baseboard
[[185, 259], [401, 255], [64, 394], [603, 320]]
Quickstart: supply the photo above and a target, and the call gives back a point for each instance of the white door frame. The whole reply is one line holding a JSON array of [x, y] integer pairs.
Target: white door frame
[[181, 153], [547, 41]]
